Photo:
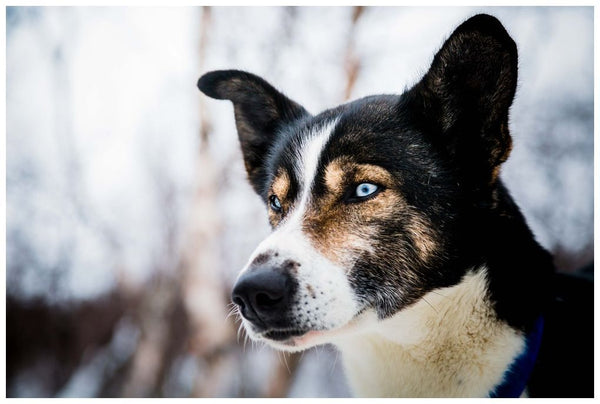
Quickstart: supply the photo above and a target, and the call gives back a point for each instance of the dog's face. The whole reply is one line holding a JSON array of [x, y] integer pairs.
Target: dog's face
[[369, 202]]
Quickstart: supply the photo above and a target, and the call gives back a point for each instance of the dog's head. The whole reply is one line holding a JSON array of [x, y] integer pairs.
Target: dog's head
[[368, 201]]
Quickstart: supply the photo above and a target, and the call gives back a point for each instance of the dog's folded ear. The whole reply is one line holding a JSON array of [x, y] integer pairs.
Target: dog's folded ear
[[260, 113], [469, 88]]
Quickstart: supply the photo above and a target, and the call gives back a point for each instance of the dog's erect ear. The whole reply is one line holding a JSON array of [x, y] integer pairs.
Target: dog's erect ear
[[260, 112], [466, 94]]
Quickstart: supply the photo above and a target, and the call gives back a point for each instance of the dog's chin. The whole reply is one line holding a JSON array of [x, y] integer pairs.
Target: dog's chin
[[288, 340], [299, 340]]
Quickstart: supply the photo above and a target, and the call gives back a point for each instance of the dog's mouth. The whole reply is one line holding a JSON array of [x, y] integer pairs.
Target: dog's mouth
[[283, 335], [298, 337]]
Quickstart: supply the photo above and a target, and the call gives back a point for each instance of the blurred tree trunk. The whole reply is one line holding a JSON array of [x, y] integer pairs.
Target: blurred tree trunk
[[163, 325], [204, 292], [202, 287]]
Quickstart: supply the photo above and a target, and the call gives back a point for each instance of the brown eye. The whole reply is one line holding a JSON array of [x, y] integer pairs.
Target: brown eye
[[275, 203]]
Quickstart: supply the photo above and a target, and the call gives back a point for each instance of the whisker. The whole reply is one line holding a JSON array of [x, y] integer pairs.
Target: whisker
[[245, 340], [239, 331], [430, 305], [285, 363], [233, 311], [439, 294], [332, 369]]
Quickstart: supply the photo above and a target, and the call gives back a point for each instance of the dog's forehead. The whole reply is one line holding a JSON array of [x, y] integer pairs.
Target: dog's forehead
[[367, 131]]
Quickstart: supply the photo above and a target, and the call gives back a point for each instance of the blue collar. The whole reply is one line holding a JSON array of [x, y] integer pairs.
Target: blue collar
[[516, 377]]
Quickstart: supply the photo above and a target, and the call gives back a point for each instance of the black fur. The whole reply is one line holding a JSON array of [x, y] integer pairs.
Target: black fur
[[260, 113], [465, 96]]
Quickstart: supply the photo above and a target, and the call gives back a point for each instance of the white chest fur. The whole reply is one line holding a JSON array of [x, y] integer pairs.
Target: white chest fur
[[449, 344]]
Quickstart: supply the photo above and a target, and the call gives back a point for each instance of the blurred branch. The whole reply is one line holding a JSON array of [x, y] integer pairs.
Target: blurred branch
[[205, 23], [352, 62]]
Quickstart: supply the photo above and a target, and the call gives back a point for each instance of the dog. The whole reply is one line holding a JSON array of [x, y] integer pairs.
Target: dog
[[395, 239]]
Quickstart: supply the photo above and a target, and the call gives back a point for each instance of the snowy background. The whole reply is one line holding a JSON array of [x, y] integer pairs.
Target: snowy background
[[128, 213]]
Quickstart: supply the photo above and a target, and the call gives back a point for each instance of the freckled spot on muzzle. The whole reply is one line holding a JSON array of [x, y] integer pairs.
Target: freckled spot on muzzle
[[291, 266], [262, 258]]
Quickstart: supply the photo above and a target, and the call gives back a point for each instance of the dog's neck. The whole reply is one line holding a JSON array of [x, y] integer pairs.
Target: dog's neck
[[448, 344]]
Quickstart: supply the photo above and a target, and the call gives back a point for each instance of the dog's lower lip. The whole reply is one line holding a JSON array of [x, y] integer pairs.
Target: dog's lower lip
[[282, 335]]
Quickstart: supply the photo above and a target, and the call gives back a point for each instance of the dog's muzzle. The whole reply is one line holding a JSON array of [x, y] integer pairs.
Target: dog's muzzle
[[264, 296]]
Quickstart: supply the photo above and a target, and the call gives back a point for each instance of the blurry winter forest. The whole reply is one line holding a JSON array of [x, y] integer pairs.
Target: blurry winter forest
[[128, 212]]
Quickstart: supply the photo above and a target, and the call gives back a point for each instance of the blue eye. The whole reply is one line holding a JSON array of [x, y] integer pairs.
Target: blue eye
[[365, 189], [275, 203]]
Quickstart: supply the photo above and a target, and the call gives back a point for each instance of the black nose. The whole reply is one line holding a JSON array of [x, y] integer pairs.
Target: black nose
[[263, 296]]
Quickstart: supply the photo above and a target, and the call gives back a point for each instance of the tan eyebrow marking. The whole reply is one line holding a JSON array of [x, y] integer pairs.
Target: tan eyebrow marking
[[280, 187], [334, 173], [337, 171], [371, 173], [281, 184]]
